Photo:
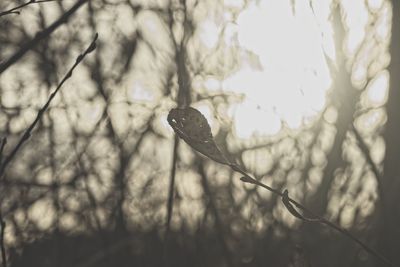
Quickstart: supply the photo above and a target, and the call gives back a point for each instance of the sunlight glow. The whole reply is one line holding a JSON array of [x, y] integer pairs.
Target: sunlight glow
[[209, 33], [140, 93], [355, 11], [377, 90], [284, 76]]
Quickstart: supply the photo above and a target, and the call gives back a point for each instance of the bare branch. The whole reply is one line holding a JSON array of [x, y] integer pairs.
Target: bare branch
[[190, 125], [314, 217], [40, 36], [14, 10], [28, 131]]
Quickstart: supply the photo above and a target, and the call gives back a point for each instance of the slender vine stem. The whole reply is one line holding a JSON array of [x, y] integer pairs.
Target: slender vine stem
[[314, 218], [39, 115]]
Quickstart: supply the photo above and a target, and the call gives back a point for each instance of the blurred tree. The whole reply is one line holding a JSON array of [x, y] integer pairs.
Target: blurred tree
[[101, 179]]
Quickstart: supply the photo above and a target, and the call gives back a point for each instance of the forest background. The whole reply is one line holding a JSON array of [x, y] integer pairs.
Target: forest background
[[303, 95]]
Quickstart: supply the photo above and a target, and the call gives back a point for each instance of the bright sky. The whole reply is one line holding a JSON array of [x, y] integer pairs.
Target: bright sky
[[291, 85]]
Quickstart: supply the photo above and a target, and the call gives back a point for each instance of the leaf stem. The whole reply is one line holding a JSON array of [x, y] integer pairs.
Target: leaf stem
[[314, 217]]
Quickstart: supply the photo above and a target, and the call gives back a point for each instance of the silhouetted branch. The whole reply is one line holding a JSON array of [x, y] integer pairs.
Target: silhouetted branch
[[40, 36], [28, 131], [14, 10], [190, 125], [314, 217]]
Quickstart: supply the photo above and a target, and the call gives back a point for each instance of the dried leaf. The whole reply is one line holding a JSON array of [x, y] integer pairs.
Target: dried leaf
[[247, 179], [190, 125], [289, 206]]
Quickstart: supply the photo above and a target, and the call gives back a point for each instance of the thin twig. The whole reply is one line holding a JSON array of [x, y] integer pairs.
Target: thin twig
[[29, 130], [40, 36], [3, 248], [314, 217], [14, 10], [177, 122]]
